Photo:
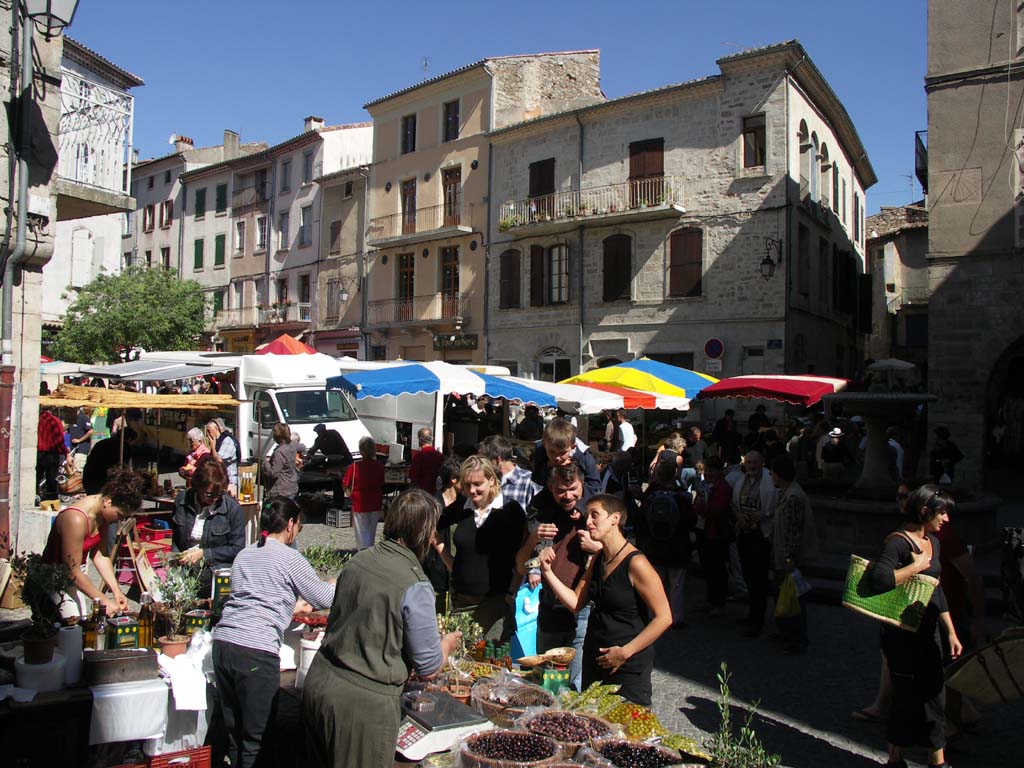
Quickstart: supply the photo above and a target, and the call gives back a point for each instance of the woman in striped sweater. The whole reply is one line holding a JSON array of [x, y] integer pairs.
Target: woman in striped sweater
[[267, 580]]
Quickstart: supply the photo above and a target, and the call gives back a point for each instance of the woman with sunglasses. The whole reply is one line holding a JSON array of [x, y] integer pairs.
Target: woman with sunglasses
[[917, 711], [267, 581], [208, 525]]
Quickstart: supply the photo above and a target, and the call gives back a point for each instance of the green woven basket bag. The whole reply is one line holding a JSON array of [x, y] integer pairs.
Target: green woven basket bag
[[902, 607]]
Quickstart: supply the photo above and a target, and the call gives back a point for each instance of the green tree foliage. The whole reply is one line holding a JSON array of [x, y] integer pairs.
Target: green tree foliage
[[148, 308]]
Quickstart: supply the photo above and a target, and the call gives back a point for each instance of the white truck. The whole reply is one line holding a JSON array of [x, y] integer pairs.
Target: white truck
[[270, 389]]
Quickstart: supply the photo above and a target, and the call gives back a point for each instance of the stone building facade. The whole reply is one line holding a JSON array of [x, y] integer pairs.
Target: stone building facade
[[897, 253], [429, 196], [641, 227], [975, 232]]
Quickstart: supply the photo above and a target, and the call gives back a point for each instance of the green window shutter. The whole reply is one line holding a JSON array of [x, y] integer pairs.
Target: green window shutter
[[222, 198], [201, 202], [218, 302], [218, 251], [199, 254]]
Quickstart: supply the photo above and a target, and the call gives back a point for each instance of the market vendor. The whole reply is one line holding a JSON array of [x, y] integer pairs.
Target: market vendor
[[382, 626], [82, 531], [267, 580], [626, 590], [208, 525], [197, 449], [487, 530]]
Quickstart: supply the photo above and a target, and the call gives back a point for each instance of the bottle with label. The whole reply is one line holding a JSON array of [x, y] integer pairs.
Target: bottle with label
[[100, 642], [146, 621], [89, 624]]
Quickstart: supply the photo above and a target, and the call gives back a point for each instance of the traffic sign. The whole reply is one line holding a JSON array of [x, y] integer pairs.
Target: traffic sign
[[714, 349]]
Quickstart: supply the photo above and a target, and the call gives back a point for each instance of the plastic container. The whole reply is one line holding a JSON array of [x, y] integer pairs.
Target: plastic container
[[308, 650]]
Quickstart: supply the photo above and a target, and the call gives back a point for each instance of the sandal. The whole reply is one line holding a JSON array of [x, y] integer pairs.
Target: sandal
[[865, 715]]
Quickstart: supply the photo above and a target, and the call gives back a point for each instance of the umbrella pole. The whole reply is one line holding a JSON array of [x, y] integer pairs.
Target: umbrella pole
[[123, 428]]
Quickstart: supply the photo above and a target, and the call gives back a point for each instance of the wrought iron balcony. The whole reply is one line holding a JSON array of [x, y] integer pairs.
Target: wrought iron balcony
[[250, 195], [633, 199], [432, 308], [233, 318], [434, 222], [95, 148], [300, 312]]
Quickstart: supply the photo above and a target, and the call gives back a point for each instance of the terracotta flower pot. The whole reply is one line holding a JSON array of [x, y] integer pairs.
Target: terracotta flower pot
[[174, 645], [38, 649]]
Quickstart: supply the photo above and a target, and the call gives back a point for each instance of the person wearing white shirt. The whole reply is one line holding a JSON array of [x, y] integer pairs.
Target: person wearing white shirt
[[626, 430], [753, 505]]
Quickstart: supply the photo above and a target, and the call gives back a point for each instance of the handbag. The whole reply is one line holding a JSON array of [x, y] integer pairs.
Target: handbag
[[903, 606], [787, 606], [69, 480]]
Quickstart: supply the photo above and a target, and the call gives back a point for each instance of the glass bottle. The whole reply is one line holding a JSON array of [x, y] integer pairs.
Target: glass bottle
[[100, 642], [146, 621], [89, 625]]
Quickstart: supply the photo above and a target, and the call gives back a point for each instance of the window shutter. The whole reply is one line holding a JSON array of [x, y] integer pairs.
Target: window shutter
[[198, 264], [509, 279], [636, 160], [686, 247], [654, 158], [218, 251], [536, 276], [617, 268], [542, 177], [335, 236], [864, 303]]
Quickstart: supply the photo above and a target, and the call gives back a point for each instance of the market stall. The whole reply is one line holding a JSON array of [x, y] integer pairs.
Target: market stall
[[795, 390]]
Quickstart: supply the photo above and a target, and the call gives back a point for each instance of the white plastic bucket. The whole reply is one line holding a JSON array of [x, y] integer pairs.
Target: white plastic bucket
[[308, 650]]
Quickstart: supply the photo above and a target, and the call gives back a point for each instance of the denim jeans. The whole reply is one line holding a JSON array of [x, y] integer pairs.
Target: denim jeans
[[576, 667]]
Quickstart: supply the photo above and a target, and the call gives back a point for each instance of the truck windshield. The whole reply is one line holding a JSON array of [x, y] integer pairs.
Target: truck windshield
[[310, 406]]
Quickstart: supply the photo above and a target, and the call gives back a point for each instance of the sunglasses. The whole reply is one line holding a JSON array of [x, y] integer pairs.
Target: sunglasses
[[213, 498]]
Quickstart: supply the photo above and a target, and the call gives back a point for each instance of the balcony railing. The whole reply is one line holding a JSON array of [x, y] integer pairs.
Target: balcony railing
[[914, 295], [233, 318], [419, 221], [433, 307], [287, 313], [95, 133], [611, 200], [251, 195]]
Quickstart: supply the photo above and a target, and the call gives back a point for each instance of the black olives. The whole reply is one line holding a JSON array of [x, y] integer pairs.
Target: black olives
[[567, 727], [629, 755], [513, 746]]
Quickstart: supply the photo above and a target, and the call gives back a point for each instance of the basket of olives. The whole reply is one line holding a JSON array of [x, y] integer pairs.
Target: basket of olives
[[502, 701], [633, 754], [570, 729], [504, 749]]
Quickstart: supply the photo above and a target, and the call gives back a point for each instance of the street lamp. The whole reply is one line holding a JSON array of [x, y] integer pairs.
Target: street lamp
[[768, 264], [51, 16]]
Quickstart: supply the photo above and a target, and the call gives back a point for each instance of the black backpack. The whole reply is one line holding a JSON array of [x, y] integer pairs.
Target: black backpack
[[662, 513]]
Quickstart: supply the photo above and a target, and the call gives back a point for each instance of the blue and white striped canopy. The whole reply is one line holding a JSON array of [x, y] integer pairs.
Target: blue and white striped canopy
[[419, 378]]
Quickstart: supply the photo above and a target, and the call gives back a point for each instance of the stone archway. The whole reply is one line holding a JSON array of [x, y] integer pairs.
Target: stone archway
[[1004, 410]]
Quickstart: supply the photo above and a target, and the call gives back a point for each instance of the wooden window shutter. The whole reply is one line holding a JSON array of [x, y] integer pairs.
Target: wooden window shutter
[[335, 236], [654, 158], [686, 262], [536, 276], [509, 278], [617, 267], [542, 177]]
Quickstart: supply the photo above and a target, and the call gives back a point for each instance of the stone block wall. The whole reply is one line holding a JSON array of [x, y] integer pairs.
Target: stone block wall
[[529, 86]]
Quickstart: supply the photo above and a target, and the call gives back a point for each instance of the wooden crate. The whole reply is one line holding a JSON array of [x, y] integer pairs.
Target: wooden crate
[[338, 518]]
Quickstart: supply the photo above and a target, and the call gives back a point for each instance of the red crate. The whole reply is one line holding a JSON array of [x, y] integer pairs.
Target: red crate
[[148, 533], [187, 758], [155, 550]]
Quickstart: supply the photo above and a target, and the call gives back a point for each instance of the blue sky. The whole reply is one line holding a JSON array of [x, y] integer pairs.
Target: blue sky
[[259, 67]]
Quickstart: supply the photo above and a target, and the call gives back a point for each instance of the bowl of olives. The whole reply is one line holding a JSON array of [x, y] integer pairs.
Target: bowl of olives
[[633, 754], [505, 748], [570, 729], [502, 701]]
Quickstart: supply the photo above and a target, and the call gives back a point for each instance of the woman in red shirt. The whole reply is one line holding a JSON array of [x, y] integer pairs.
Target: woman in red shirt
[[364, 482]]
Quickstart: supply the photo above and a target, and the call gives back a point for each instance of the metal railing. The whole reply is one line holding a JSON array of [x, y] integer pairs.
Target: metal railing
[[420, 220], [95, 133], [627, 196], [250, 195], [228, 318], [432, 306], [910, 295], [300, 312]]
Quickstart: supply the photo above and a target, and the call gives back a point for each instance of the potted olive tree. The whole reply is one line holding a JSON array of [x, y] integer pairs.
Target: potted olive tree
[[179, 594], [41, 583]]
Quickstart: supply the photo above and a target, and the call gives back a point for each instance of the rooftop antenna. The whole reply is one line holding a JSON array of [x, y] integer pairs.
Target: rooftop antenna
[[910, 177], [425, 63]]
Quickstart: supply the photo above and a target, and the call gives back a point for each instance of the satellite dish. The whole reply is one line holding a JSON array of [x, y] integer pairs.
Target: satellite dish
[[172, 139]]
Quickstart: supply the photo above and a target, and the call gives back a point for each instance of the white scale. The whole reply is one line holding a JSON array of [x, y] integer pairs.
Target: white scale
[[433, 722]]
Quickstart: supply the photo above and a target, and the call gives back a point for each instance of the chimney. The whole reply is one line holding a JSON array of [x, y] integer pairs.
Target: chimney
[[182, 143], [230, 145], [312, 123]]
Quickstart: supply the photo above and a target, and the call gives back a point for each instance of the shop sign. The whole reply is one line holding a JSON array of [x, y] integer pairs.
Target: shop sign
[[713, 366], [445, 341]]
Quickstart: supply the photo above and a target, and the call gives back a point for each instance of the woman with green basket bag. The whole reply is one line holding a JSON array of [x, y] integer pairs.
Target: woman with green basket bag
[[917, 715]]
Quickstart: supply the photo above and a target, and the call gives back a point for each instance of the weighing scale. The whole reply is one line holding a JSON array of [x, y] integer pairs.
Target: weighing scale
[[433, 722]]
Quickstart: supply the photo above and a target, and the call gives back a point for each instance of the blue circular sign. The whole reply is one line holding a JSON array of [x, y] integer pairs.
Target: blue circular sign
[[714, 349]]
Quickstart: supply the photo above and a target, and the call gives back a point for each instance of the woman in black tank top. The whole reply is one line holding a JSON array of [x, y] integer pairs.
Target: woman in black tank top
[[630, 610]]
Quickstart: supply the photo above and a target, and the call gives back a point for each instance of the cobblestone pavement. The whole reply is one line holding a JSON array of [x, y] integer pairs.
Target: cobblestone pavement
[[805, 701]]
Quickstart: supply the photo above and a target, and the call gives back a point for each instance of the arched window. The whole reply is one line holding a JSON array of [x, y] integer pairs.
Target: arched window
[[815, 171], [826, 168], [509, 280], [618, 267], [804, 144]]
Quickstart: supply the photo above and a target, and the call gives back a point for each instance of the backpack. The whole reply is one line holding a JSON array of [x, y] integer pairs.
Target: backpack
[[662, 513]]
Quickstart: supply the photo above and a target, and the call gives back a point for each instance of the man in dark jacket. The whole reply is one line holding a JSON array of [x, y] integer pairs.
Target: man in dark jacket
[[104, 455]]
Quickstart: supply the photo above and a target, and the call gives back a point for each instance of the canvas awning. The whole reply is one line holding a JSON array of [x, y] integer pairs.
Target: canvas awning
[[154, 370], [73, 396]]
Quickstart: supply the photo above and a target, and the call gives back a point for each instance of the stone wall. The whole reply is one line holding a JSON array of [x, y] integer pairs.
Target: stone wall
[[529, 86]]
